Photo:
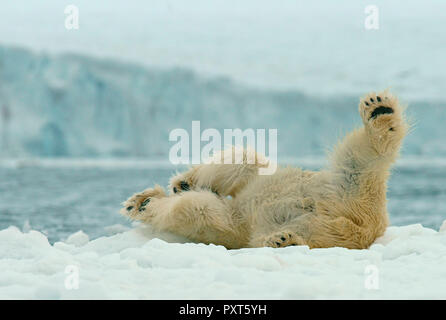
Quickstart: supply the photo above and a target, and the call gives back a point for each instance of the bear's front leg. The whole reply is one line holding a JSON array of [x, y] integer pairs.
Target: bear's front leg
[[136, 207], [226, 173], [200, 216]]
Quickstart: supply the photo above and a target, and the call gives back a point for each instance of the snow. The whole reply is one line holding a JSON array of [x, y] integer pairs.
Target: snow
[[78, 239], [406, 263], [443, 227]]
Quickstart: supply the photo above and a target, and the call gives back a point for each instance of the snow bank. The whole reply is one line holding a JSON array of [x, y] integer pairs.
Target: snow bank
[[407, 262]]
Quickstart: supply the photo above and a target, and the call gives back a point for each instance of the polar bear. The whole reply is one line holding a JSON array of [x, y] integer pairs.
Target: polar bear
[[341, 206]]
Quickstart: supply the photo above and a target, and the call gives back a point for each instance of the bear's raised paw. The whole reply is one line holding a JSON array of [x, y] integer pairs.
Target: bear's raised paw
[[384, 120]]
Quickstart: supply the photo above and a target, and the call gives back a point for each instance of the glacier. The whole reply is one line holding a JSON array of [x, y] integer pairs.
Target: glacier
[[70, 105]]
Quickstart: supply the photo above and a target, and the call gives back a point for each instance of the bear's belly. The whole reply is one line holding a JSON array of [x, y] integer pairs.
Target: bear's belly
[[281, 197]]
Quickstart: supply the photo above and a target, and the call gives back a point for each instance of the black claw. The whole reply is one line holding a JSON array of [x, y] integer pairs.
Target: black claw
[[378, 98], [175, 190], [184, 186], [145, 202], [129, 208], [380, 110]]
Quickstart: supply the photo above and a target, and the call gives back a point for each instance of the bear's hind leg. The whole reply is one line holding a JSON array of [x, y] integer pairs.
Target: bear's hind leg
[[278, 239], [365, 155], [384, 122]]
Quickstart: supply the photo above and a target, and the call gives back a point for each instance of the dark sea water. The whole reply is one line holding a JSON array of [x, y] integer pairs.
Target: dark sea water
[[62, 200]]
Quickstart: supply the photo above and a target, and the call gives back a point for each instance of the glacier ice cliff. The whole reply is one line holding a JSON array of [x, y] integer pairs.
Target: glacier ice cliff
[[76, 106]]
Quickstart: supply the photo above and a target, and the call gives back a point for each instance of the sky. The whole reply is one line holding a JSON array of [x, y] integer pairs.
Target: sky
[[319, 48]]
